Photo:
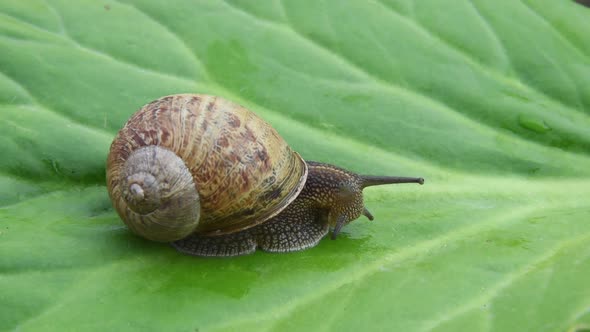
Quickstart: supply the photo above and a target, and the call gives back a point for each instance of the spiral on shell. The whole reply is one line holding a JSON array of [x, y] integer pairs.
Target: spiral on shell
[[187, 164]]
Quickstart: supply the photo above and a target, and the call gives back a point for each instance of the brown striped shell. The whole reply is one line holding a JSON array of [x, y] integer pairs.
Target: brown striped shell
[[197, 163]]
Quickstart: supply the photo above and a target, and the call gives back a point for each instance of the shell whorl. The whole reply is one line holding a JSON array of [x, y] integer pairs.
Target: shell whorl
[[162, 202]]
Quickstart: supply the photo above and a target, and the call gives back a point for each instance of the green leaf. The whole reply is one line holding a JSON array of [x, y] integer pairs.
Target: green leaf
[[488, 101]]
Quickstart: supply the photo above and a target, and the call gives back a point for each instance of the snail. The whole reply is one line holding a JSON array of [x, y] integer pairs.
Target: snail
[[214, 179]]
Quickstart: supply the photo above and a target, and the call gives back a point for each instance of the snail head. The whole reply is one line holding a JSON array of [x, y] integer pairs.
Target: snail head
[[341, 192]]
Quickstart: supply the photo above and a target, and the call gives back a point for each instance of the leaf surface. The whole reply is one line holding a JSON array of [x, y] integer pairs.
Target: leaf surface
[[489, 101]]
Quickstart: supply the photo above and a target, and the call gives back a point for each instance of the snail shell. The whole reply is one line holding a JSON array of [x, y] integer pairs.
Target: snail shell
[[189, 163]]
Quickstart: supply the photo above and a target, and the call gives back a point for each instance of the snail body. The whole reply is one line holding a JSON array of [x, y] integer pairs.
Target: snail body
[[214, 179]]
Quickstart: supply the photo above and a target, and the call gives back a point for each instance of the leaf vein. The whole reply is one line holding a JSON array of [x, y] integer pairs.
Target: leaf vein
[[361, 272], [182, 42], [492, 31], [560, 34], [504, 283], [404, 91], [512, 81]]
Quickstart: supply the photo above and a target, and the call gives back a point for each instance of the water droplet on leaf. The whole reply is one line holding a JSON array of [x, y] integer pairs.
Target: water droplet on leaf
[[533, 123]]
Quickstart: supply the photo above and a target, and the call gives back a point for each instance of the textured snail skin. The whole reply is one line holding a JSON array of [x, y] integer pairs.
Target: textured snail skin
[[332, 197], [328, 193]]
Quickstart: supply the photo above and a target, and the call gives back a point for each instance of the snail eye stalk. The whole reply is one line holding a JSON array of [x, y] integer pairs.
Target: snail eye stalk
[[371, 180], [339, 223], [368, 214]]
